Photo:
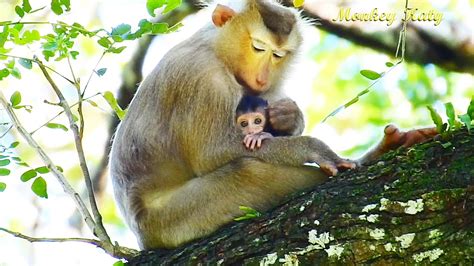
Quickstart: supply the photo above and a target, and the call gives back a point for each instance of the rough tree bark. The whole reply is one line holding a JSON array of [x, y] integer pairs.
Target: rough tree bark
[[413, 205]]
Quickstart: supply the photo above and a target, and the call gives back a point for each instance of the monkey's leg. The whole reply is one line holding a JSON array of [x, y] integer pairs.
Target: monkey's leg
[[205, 203]]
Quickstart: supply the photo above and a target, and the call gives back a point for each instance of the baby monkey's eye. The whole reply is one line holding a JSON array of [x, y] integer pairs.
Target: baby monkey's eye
[[258, 121], [244, 124]]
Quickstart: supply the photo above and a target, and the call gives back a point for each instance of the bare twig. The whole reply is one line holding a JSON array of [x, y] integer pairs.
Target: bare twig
[[94, 242], [79, 101], [119, 252], [98, 228]]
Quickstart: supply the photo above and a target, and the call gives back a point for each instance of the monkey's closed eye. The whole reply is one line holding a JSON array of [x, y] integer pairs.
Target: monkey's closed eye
[[279, 54], [244, 123], [258, 121], [258, 49]]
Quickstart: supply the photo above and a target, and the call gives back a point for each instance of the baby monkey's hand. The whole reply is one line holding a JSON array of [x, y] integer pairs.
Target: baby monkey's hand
[[254, 141]]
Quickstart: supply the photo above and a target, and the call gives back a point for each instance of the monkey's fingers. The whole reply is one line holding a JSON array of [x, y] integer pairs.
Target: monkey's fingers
[[328, 168], [346, 164], [259, 142], [254, 143], [248, 141]]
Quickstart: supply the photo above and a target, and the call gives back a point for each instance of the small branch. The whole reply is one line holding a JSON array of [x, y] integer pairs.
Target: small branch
[[119, 252], [6, 131], [93, 71], [98, 228], [47, 239], [62, 112], [47, 161], [79, 96], [49, 68]]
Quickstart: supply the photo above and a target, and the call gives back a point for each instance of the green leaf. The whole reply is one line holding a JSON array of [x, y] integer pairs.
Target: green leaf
[[119, 263], [59, 6], [466, 120], [15, 99], [101, 72], [92, 103], [117, 50], [109, 97], [74, 54], [389, 64], [121, 29], [104, 42], [151, 5], [26, 63], [14, 145], [446, 145], [42, 170], [436, 119], [19, 11], [470, 109], [4, 162], [3, 186], [39, 187], [250, 213], [56, 126], [26, 6], [28, 175], [16, 73], [4, 73], [451, 114], [372, 75], [171, 5], [4, 171], [160, 27]]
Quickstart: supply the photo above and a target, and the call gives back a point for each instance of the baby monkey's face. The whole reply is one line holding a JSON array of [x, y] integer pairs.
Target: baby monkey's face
[[251, 123]]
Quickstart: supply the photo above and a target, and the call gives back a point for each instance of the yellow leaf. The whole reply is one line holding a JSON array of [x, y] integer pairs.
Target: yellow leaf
[[298, 3]]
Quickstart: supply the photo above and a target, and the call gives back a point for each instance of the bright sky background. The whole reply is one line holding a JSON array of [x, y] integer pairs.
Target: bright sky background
[[22, 211]]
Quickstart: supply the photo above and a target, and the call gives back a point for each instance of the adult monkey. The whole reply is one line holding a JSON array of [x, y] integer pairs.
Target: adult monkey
[[178, 165]]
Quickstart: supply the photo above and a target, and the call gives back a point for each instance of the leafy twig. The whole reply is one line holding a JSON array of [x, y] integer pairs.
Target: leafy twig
[[62, 112], [98, 229], [49, 68], [47, 161]]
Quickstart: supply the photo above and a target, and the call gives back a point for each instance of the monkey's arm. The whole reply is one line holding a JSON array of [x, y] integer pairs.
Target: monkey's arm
[[285, 116]]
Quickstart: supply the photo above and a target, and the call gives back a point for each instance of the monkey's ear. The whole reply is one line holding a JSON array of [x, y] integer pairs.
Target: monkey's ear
[[221, 15]]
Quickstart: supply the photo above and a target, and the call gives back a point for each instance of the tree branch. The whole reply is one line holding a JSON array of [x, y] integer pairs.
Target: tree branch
[[412, 206], [98, 228]]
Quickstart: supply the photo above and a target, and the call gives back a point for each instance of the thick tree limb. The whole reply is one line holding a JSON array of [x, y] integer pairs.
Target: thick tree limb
[[414, 205]]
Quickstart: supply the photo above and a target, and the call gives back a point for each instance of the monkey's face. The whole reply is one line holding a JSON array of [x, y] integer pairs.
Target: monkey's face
[[251, 123]]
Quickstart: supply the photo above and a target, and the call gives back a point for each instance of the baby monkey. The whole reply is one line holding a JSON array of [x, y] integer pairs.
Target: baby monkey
[[252, 120]]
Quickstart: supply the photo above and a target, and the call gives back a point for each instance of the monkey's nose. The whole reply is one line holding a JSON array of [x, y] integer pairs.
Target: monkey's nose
[[261, 82]]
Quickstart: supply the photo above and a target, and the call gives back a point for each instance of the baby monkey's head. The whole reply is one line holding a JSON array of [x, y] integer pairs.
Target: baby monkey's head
[[251, 115]]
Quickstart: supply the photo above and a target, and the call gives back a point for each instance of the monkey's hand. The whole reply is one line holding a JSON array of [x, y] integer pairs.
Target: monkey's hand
[[285, 116], [331, 168], [254, 141]]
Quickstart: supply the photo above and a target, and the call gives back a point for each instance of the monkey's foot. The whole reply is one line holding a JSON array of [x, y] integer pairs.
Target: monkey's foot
[[328, 168], [395, 138]]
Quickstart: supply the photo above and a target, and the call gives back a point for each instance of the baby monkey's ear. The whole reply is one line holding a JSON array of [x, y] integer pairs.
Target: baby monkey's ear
[[222, 14]]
